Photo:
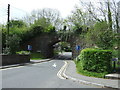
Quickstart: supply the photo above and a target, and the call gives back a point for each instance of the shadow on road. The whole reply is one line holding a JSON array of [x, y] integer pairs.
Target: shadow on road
[[63, 56]]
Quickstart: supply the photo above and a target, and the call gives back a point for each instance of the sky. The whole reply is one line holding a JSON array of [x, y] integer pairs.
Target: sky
[[20, 8]]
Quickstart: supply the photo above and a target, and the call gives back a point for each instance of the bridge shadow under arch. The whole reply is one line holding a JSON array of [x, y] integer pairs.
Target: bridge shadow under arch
[[64, 55]]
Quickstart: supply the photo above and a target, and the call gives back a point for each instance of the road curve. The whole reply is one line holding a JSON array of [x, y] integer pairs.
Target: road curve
[[41, 75]]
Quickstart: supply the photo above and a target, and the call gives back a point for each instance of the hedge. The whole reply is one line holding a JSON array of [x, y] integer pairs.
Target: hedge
[[96, 60]]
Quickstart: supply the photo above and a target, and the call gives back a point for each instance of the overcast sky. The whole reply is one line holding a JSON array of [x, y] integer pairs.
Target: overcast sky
[[19, 8]]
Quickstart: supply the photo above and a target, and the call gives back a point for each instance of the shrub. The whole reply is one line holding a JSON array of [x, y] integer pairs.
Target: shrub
[[51, 29], [95, 60], [6, 50], [88, 73], [36, 56], [12, 43], [23, 52]]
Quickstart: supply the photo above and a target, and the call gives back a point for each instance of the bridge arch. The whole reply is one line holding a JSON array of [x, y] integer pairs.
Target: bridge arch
[[45, 44]]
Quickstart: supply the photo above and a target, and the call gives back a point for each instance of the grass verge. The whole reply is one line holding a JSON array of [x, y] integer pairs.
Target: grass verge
[[88, 73], [36, 56]]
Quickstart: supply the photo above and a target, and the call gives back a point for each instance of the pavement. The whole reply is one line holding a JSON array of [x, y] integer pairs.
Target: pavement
[[70, 73], [113, 76]]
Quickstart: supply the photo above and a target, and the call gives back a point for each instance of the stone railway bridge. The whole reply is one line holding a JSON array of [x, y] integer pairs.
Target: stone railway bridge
[[45, 44]]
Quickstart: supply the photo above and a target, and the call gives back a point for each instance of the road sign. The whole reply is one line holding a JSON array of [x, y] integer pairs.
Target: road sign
[[29, 47], [114, 59], [77, 47]]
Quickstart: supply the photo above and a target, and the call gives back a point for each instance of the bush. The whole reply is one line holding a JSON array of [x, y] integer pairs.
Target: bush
[[12, 44], [31, 33], [95, 60], [23, 52], [88, 73], [36, 56]]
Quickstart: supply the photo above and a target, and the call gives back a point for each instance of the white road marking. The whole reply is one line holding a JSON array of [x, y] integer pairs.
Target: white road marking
[[54, 65], [59, 74], [79, 80], [25, 65], [12, 68]]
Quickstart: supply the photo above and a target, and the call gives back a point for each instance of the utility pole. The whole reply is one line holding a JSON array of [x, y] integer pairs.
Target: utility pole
[[8, 21]]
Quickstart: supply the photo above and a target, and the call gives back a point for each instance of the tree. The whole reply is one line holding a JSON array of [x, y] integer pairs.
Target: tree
[[103, 11], [51, 16], [102, 20], [17, 23], [116, 15], [12, 43], [101, 36], [109, 15], [80, 20]]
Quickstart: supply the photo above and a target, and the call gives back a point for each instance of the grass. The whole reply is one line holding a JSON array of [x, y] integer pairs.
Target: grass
[[36, 56], [87, 73]]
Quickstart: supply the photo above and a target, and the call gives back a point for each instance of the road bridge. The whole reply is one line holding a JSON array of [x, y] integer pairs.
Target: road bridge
[[44, 43]]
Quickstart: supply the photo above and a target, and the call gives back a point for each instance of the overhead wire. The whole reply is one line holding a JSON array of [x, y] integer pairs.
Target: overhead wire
[[15, 13], [19, 9], [3, 10], [3, 14]]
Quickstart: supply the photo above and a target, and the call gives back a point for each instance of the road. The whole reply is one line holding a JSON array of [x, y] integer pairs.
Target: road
[[40, 75]]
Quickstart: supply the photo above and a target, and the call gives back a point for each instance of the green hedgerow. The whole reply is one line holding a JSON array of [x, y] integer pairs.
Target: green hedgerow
[[96, 60]]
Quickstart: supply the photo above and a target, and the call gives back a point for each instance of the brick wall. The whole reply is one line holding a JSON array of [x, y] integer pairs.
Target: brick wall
[[14, 59], [44, 44]]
